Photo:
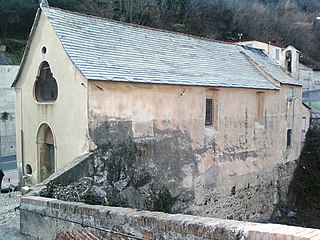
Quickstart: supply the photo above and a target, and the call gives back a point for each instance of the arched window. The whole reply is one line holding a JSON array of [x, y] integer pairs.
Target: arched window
[[46, 88], [28, 169], [289, 61]]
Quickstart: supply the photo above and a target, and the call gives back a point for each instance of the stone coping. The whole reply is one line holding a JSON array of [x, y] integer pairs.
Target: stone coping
[[143, 223]]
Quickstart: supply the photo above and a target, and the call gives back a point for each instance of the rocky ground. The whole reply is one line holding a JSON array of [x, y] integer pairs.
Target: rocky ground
[[9, 218]]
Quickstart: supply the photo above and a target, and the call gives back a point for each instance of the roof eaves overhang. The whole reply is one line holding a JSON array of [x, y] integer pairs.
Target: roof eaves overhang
[[186, 85], [27, 49]]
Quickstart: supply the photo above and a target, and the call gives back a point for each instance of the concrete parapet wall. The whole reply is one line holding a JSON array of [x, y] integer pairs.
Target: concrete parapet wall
[[45, 218]]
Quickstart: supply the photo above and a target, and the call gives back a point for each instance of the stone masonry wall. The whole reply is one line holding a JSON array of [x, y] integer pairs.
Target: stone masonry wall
[[136, 170], [234, 169], [44, 218], [132, 173]]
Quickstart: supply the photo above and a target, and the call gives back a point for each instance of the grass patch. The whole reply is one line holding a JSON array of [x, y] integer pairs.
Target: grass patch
[[14, 57], [15, 49]]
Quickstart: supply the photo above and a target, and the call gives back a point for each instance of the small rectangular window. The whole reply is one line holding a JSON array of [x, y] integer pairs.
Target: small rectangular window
[[303, 124], [208, 112], [290, 93], [277, 54], [259, 107], [289, 136]]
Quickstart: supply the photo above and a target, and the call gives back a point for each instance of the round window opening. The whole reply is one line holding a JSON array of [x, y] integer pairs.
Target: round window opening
[[46, 88], [44, 50]]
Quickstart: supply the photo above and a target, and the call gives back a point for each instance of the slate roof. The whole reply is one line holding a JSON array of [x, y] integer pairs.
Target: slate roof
[[268, 64], [107, 50], [4, 60], [311, 96]]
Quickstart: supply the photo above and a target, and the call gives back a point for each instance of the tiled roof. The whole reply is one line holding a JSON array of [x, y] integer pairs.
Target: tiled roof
[[107, 50]]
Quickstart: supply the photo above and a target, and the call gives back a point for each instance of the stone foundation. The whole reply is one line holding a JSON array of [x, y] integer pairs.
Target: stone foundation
[[115, 174]]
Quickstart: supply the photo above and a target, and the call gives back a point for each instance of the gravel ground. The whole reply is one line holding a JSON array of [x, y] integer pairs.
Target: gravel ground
[[10, 219]]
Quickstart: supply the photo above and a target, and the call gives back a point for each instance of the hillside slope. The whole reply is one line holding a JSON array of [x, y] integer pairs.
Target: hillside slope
[[279, 21]]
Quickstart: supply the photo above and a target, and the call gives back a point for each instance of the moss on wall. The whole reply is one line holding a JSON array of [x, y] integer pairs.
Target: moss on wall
[[303, 207], [162, 201]]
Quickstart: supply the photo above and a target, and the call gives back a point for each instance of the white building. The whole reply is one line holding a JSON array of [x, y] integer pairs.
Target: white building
[[288, 57], [7, 110]]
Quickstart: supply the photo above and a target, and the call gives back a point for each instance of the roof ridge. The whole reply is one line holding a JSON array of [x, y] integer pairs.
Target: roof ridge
[[254, 39], [141, 26], [110, 50]]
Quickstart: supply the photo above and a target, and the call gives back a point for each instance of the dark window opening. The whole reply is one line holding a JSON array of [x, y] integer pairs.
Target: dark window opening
[[46, 88], [28, 169], [289, 61], [289, 136], [208, 120], [44, 50]]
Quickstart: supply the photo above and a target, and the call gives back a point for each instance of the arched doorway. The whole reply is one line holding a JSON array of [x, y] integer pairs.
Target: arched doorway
[[46, 152]]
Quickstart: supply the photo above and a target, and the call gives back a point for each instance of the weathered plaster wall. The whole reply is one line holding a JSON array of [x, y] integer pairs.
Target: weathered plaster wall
[[306, 76], [150, 136], [67, 116], [7, 104], [44, 218]]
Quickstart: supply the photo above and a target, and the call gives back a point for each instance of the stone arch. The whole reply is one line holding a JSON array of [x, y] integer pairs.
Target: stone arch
[[46, 152]]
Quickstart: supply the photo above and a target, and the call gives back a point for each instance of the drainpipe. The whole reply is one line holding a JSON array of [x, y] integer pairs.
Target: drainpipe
[[0, 151], [22, 152], [21, 179]]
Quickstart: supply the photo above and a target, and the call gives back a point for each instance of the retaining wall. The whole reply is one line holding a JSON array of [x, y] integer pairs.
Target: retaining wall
[[46, 218]]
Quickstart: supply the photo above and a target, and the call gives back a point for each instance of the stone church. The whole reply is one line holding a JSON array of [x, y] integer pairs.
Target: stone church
[[213, 122]]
